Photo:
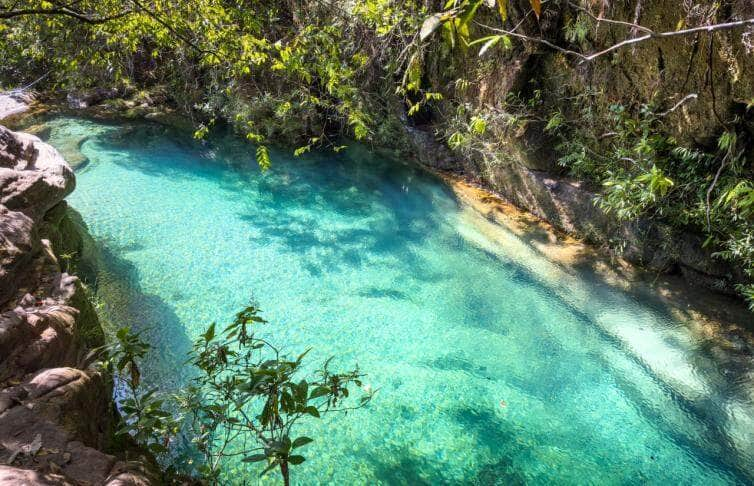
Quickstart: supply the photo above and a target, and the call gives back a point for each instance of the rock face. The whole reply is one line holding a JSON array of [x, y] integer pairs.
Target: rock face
[[56, 410], [569, 205], [85, 99], [522, 163]]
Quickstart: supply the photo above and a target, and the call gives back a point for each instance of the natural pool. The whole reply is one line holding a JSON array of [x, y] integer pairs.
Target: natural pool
[[377, 263]]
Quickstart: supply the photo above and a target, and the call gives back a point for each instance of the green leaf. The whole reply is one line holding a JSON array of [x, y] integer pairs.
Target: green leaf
[[287, 401], [302, 391], [320, 391], [312, 411], [430, 25], [255, 458], [469, 13], [263, 158], [502, 8], [301, 441], [478, 126], [296, 460], [209, 335], [494, 40]]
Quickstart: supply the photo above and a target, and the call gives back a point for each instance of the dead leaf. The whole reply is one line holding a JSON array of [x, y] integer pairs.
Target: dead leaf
[[536, 5]]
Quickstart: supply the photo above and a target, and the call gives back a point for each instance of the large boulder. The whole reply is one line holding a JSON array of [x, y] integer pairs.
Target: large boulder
[[14, 103], [34, 177], [18, 244]]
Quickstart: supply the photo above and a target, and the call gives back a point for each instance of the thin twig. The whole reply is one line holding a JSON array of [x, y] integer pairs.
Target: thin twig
[[624, 43], [712, 187], [610, 21], [686, 98]]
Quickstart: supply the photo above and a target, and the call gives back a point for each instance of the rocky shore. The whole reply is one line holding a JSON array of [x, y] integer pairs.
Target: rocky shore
[[56, 409]]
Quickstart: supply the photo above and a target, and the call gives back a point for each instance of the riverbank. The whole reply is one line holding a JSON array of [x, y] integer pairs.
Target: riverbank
[[712, 315], [57, 416]]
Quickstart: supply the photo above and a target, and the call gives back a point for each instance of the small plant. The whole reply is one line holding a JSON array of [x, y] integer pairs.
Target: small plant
[[68, 260], [248, 397], [145, 416], [243, 404]]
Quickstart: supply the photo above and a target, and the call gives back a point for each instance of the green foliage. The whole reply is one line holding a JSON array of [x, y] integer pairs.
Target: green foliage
[[490, 41], [145, 417], [243, 403], [305, 73], [577, 29], [280, 71], [248, 397], [263, 157], [646, 173]]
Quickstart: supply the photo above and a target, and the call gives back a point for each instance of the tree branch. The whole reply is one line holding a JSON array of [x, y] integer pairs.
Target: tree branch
[[9, 14], [649, 35], [686, 98], [633, 25], [172, 30]]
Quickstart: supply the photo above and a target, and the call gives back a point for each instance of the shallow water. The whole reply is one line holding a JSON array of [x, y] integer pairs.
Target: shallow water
[[376, 263]]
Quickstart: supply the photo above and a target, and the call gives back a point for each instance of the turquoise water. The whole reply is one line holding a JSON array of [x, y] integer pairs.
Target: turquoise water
[[495, 365]]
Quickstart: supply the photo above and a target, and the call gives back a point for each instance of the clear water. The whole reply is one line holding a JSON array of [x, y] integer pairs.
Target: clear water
[[377, 263]]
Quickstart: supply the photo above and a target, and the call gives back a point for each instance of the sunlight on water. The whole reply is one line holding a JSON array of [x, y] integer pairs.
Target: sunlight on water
[[449, 315]]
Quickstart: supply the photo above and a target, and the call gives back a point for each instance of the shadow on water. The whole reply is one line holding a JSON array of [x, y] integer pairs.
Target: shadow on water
[[372, 225], [116, 284], [724, 352], [726, 372], [497, 434], [410, 469]]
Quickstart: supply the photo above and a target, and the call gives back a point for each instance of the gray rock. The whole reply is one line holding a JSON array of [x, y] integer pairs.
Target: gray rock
[[18, 244], [14, 103], [34, 177], [86, 98]]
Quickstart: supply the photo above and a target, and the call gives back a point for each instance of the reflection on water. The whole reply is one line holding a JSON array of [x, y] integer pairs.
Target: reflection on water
[[495, 365]]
